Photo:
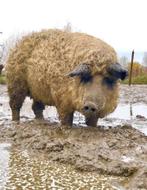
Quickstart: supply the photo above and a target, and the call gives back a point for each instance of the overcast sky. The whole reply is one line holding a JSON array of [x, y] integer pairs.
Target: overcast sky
[[121, 23]]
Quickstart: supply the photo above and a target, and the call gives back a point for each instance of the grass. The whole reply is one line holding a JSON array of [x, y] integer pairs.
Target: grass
[[142, 79], [2, 79]]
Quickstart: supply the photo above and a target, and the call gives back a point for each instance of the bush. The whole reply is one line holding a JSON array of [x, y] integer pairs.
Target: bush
[[2, 79], [141, 79]]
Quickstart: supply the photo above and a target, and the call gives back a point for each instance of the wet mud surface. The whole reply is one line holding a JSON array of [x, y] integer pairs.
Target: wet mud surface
[[21, 169], [114, 148]]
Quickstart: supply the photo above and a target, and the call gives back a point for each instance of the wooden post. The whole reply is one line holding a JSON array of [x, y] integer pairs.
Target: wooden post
[[131, 68]]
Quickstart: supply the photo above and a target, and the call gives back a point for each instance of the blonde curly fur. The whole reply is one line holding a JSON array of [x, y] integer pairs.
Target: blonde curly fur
[[38, 65]]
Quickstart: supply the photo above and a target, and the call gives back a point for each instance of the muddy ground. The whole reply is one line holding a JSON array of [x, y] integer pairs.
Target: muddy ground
[[118, 151]]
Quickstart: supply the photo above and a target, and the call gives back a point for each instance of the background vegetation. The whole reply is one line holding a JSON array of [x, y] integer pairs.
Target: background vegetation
[[139, 72], [2, 79]]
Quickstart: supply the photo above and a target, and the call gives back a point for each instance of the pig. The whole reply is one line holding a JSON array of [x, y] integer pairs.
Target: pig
[[69, 70]]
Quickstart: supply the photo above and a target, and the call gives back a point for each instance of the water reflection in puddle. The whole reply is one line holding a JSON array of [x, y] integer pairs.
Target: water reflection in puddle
[[129, 111], [19, 170]]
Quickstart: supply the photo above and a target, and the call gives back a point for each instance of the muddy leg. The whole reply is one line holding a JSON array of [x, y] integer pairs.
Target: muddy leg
[[38, 108], [17, 96], [67, 119], [92, 121]]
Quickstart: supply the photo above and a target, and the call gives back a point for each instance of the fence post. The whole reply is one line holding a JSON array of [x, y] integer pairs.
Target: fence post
[[131, 68]]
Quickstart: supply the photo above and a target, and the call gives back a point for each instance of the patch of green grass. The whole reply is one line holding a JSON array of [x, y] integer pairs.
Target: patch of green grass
[[2, 79], [142, 79]]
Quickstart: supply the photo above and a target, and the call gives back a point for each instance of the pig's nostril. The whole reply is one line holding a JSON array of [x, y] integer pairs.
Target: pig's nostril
[[89, 109], [93, 109], [86, 108]]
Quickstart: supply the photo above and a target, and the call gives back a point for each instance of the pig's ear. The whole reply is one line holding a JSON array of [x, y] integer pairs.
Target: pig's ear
[[117, 71], [83, 71]]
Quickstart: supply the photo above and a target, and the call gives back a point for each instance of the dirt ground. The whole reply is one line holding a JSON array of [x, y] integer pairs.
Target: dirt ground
[[135, 94], [118, 151]]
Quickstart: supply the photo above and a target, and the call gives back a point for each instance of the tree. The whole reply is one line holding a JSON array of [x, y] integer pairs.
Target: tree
[[1, 49], [7, 45], [144, 61], [124, 61], [68, 27]]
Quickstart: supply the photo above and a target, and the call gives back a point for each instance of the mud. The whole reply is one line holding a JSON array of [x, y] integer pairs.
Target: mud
[[119, 150], [22, 170], [133, 94]]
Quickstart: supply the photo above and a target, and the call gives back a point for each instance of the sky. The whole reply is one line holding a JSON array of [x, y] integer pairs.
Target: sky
[[121, 23]]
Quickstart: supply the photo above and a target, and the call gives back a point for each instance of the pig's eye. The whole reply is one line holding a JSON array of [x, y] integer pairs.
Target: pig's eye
[[85, 78], [109, 82]]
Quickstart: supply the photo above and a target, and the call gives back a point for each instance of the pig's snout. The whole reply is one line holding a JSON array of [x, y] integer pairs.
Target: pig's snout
[[90, 108]]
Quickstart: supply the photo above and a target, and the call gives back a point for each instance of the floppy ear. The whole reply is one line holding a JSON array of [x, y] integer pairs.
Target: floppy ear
[[117, 71], [83, 71]]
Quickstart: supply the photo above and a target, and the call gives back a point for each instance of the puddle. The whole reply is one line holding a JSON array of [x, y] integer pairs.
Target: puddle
[[20, 170], [132, 114], [129, 111]]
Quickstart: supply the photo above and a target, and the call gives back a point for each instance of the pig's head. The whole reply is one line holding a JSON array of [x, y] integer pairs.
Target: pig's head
[[97, 90]]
